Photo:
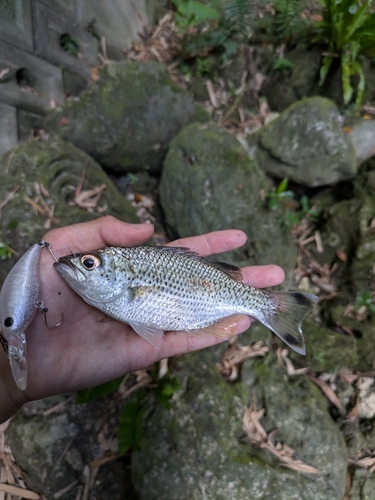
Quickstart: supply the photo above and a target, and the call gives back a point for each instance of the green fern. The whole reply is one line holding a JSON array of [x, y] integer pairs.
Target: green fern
[[287, 20], [238, 15]]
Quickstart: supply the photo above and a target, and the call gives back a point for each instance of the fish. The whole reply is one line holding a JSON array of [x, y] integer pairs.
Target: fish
[[159, 289], [19, 299]]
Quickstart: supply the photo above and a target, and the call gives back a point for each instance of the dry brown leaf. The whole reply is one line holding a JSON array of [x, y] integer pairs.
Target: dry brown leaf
[[143, 379], [87, 199], [235, 355], [365, 459], [9, 197], [211, 94], [19, 492], [341, 255], [4, 72], [64, 122], [318, 241], [328, 392], [369, 109], [56, 408], [259, 438], [282, 356], [65, 490]]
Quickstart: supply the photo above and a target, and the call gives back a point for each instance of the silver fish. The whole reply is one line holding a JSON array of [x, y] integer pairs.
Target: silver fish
[[157, 289], [18, 304]]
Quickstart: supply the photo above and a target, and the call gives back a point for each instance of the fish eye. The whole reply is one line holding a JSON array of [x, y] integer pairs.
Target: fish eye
[[8, 322], [90, 262]]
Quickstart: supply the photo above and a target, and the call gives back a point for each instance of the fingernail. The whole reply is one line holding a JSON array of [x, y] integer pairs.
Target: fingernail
[[141, 226]]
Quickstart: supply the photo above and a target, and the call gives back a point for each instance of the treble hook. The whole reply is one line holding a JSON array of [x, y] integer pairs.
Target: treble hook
[[44, 311], [48, 246], [4, 343]]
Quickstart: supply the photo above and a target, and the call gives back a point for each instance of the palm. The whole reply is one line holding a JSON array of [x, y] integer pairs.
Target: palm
[[87, 348]]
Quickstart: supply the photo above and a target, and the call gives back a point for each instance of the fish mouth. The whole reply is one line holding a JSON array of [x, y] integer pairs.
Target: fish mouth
[[64, 266]]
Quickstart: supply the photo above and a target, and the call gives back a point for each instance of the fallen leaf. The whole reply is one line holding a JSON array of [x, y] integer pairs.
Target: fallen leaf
[[94, 74], [259, 438], [328, 392], [341, 255], [4, 72], [282, 356], [63, 122], [235, 355]]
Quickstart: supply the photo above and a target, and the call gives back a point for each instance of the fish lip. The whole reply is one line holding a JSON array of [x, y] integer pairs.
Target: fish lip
[[65, 261]]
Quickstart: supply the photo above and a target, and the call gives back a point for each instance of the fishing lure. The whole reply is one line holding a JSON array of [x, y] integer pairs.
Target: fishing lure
[[18, 305]]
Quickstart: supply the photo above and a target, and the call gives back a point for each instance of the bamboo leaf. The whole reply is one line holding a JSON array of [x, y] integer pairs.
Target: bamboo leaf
[[346, 74], [357, 69], [324, 68], [358, 20]]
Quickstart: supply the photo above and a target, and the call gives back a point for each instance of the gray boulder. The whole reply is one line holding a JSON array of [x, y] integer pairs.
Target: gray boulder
[[210, 183], [126, 119], [307, 144], [195, 450], [362, 135], [47, 174]]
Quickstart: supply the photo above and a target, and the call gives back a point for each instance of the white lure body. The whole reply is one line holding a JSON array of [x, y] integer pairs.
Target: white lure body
[[18, 304]]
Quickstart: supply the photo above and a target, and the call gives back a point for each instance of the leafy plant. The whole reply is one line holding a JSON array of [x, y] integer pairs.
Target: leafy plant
[[287, 19], [129, 433], [190, 13], [364, 299], [202, 66], [69, 44], [284, 22], [348, 27], [99, 391], [283, 200], [282, 63], [206, 28], [5, 251]]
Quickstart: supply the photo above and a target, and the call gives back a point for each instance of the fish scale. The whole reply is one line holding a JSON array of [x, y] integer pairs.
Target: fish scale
[[158, 289]]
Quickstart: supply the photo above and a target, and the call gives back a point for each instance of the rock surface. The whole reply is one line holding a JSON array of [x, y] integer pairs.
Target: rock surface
[[126, 119], [307, 144], [210, 183], [194, 449], [50, 171], [362, 135]]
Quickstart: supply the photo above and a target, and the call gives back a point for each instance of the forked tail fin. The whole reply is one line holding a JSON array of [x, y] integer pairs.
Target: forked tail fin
[[285, 318]]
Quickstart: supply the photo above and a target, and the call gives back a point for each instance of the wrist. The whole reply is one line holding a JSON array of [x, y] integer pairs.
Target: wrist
[[11, 399]]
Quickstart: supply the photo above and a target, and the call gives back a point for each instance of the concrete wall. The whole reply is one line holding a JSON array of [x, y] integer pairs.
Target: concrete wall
[[36, 73]]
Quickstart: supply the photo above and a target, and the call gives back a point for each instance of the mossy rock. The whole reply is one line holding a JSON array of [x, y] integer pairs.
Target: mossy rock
[[326, 349], [210, 183], [58, 167], [126, 119], [307, 144], [196, 446]]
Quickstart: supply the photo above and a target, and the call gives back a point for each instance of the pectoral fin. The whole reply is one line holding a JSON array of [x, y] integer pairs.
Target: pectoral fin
[[149, 333]]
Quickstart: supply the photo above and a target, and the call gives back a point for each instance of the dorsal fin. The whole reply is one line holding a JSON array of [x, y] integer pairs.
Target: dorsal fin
[[229, 269], [179, 250]]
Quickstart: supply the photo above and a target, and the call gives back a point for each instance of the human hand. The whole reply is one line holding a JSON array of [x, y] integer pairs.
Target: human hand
[[85, 351]]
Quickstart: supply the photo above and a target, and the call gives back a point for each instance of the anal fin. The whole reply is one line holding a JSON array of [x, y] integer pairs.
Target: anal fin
[[223, 329]]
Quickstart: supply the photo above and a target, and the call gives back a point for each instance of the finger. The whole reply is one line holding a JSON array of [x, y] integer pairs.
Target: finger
[[105, 231], [263, 276], [213, 243], [176, 343]]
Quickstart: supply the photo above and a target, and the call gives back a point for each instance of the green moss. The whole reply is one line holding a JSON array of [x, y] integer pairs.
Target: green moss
[[58, 166]]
